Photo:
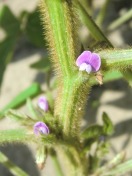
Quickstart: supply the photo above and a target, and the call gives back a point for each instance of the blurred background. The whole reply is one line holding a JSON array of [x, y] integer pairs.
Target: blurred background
[[21, 50]]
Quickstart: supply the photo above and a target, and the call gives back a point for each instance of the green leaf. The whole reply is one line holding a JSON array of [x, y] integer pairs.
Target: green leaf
[[93, 131], [31, 91], [112, 75], [102, 13], [91, 25], [120, 169], [9, 22], [112, 164], [34, 29], [119, 21], [32, 109], [14, 135], [12, 28], [128, 76], [15, 170], [15, 115], [43, 64], [6, 52], [108, 127]]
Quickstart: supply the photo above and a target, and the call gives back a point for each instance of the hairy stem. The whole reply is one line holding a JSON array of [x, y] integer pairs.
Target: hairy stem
[[59, 23], [71, 106]]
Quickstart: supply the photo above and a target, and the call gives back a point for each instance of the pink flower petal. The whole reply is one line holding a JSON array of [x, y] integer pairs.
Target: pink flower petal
[[83, 58], [43, 103], [40, 128], [95, 62]]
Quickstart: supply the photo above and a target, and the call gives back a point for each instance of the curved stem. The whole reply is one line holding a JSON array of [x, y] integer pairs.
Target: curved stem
[[56, 163]]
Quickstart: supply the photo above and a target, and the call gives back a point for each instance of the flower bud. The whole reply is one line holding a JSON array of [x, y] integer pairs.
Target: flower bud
[[43, 104], [40, 128]]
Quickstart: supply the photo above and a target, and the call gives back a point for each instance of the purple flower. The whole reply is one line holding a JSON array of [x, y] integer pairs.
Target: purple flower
[[88, 61], [40, 128], [43, 104]]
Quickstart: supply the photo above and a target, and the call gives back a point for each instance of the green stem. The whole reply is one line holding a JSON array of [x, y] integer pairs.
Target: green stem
[[120, 59], [73, 94], [15, 170], [59, 22], [118, 22], [56, 163], [102, 13], [59, 17]]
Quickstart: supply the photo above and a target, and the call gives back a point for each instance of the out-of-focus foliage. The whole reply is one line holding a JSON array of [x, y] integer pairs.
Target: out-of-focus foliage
[[10, 24], [33, 29], [26, 25]]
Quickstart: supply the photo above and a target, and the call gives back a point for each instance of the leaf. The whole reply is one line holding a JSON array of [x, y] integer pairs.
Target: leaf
[[32, 109], [15, 115], [120, 169], [12, 27], [9, 22], [15, 170], [31, 91], [119, 21], [91, 25], [108, 127], [13, 135], [128, 76], [6, 52], [111, 165], [34, 29], [93, 131], [112, 75], [43, 64]]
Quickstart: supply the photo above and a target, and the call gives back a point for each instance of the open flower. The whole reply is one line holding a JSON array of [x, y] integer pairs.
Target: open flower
[[40, 128], [88, 61], [43, 103]]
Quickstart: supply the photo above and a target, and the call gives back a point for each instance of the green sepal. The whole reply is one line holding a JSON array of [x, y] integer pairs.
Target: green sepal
[[41, 156], [49, 140]]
